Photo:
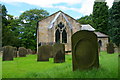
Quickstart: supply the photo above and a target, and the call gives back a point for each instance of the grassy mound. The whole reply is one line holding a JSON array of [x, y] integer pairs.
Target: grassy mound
[[28, 67]]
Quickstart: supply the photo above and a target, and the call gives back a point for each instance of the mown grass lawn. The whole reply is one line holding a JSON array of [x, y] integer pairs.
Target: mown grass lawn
[[28, 67]]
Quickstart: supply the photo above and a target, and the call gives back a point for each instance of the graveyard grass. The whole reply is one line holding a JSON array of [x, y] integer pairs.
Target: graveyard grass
[[28, 67]]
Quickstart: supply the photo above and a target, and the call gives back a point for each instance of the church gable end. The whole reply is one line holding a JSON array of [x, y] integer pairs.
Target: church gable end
[[57, 28]]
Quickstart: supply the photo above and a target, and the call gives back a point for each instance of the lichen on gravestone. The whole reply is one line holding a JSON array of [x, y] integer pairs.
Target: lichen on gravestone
[[84, 50]]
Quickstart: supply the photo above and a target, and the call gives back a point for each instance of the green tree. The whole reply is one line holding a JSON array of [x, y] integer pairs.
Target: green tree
[[100, 16], [4, 14], [10, 29], [0, 25], [114, 22], [86, 20], [6, 33], [14, 25], [28, 21]]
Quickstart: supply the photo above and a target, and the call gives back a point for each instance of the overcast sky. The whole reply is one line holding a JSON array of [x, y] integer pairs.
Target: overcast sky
[[74, 8]]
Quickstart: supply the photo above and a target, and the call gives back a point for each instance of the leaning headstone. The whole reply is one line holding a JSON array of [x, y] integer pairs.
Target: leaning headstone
[[110, 48], [8, 52], [84, 50], [59, 53], [44, 53], [15, 51], [22, 52]]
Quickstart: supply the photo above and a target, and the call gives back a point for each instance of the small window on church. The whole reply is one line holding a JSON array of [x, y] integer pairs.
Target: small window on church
[[64, 36], [57, 36]]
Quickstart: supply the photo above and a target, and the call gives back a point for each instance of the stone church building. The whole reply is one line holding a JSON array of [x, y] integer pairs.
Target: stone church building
[[58, 28]]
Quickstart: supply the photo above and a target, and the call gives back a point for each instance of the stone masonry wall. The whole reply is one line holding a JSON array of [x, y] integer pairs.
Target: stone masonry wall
[[47, 35], [104, 43]]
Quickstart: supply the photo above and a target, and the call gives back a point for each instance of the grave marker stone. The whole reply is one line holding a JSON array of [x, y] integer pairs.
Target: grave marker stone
[[29, 51], [59, 53], [110, 48], [84, 50], [8, 52], [15, 51], [22, 52], [44, 53]]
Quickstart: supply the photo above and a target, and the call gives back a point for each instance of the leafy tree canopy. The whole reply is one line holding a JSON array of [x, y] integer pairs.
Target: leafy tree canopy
[[21, 32], [114, 23], [100, 16], [86, 20], [28, 22]]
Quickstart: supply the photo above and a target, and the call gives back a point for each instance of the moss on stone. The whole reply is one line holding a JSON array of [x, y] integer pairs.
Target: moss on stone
[[45, 52], [8, 52], [84, 50], [59, 53]]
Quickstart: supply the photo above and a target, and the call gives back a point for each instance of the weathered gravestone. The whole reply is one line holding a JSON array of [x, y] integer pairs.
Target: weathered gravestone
[[49, 48], [59, 53], [44, 53], [33, 52], [8, 52], [110, 48], [29, 51], [15, 52], [22, 52], [84, 50]]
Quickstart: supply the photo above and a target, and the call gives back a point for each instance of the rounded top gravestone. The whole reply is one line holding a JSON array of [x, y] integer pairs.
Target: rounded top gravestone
[[84, 50], [22, 52]]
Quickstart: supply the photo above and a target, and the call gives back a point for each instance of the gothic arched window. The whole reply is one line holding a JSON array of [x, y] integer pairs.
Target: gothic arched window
[[57, 36], [64, 36]]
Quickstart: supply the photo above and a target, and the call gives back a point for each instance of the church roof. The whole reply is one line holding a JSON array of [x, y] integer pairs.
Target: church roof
[[90, 28], [55, 18], [87, 27], [57, 14], [101, 35]]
